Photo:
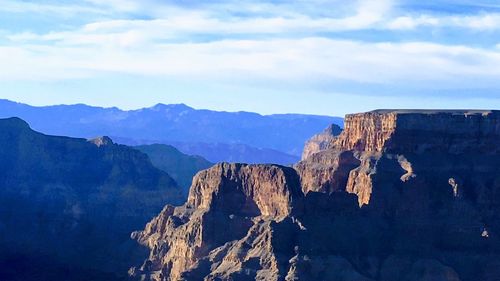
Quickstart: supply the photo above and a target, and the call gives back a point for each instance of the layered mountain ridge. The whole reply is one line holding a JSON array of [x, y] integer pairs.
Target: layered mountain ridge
[[398, 195], [225, 152], [180, 166], [237, 136], [67, 206]]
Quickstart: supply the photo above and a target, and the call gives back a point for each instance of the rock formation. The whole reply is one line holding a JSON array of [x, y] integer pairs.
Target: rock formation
[[67, 206], [230, 208], [398, 195], [369, 139], [321, 141]]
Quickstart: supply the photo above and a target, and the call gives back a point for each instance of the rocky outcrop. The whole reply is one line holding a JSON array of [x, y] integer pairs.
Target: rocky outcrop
[[396, 134], [67, 206], [322, 141], [398, 195], [326, 171], [100, 141], [229, 220]]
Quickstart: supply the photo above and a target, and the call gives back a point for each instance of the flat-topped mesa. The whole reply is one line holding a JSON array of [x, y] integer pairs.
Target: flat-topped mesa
[[349, 163], [419, 130]]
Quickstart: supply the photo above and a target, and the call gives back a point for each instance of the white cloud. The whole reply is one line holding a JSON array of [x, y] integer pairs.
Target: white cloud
[[180, 24], [266, 17], [488, 21], [369, 12], [408, 22], [303, 61], [481, 22], [335, 14], [288, 48]]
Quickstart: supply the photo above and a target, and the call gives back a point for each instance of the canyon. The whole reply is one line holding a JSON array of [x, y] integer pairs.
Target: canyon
[[397, 195], [68, 206]]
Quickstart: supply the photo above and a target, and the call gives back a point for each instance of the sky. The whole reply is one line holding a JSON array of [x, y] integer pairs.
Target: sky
[[306, 56]]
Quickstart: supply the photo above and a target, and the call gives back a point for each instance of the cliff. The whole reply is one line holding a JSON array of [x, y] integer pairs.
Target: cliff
[[227, 203], [398, 195], [321, 141], [399, 134], [420, 131], [67, 206]]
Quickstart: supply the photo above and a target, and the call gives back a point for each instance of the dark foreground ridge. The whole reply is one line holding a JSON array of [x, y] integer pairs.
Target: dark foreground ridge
[[398, 195], [67, 206]]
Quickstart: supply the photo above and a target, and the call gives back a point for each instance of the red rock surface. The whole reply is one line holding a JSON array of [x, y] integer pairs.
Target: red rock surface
[[321, 141]]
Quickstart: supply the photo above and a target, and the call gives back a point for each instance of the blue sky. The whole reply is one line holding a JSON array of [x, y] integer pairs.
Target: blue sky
[[315, 56]]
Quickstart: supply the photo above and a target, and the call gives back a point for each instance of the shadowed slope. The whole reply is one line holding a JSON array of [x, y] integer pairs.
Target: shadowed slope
[[73, 200], [180, 166]]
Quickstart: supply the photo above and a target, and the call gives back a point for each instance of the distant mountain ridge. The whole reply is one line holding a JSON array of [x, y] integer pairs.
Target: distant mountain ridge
[[222, 152], [178, 165], [177, 123]]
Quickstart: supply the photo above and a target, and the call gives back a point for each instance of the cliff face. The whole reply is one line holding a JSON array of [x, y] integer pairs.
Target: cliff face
[[72, 203], [428, 136], [398, 195], [453, 131], [227, 222], [321, 141]]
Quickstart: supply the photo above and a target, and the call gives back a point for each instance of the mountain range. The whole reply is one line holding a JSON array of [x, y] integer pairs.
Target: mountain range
[[217, 136], [179, 166], [68, 205]]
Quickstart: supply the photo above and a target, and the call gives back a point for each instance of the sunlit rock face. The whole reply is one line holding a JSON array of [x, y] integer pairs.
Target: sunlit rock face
[[403, 138], [230, 218], [398, 195], [321, 141]]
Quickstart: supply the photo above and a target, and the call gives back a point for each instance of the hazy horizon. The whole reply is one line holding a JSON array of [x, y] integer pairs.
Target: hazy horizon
[[157, 104], [236, 111]]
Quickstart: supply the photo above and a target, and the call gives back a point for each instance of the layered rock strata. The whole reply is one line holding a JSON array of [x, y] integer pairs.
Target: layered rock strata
[[398, 195], [231, 208]]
